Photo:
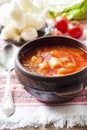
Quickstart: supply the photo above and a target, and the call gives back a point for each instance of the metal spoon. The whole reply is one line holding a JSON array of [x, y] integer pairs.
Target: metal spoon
[[7, 57]]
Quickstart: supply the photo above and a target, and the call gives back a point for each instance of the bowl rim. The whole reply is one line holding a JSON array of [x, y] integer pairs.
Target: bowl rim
[[17, 61]]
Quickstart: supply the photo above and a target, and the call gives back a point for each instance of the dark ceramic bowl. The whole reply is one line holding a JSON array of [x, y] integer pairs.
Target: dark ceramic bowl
[[51, 89]]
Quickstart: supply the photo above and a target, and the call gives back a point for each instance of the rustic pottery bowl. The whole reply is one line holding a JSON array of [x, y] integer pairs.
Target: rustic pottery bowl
[[51, 89]]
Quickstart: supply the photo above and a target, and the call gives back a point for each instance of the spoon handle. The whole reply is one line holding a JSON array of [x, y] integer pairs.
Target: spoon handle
[[8, 104]]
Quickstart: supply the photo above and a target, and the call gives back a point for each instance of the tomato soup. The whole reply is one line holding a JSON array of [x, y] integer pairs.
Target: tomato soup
[[55, 60]]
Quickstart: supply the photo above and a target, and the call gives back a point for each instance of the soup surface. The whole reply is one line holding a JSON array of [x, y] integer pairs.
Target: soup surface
[[55, 60]]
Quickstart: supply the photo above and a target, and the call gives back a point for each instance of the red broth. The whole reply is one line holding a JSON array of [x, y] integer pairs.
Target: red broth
[[53, 61]]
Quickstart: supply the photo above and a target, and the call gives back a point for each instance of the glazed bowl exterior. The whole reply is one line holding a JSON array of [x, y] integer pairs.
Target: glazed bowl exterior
[[51, 89]]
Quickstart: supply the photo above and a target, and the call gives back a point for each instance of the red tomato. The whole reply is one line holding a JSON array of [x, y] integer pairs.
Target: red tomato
[[75, 29], [56, 32], [61, 23]]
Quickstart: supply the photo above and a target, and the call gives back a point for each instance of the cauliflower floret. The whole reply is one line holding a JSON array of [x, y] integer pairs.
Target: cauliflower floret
[[4, 14], [25, 5], [11, 33], [28, 34], [35, 16], [41, 4], [17, 15], [36, 20], [21, 20]]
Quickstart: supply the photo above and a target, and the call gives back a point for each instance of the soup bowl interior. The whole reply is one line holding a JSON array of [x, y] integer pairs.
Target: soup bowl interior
[[46, 88]]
